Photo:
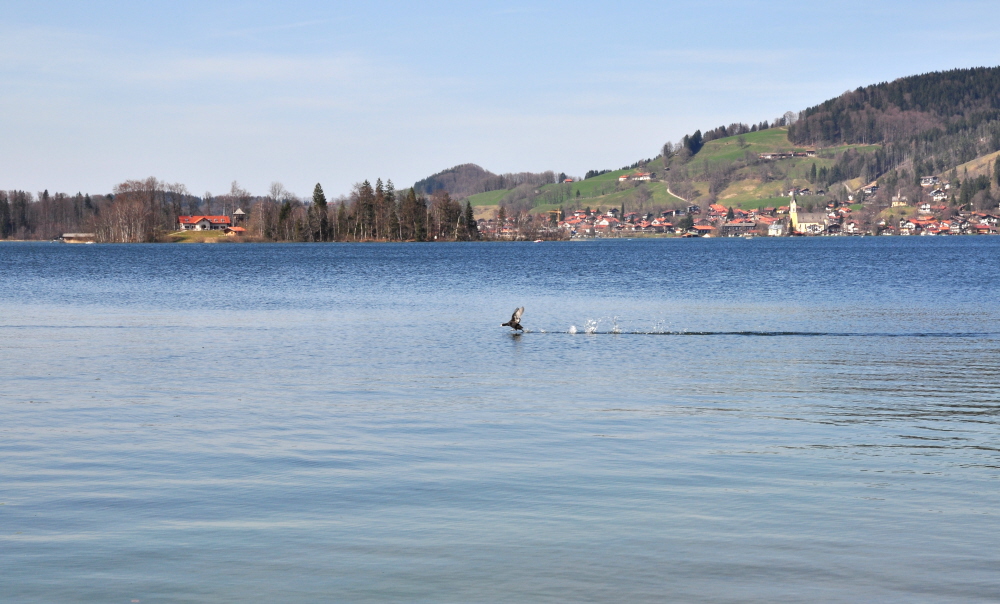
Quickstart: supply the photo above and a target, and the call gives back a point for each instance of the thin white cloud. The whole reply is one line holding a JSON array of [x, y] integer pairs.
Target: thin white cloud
[[256, 31]]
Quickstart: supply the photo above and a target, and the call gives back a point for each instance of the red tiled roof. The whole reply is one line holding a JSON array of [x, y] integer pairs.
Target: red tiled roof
[[197, 219]]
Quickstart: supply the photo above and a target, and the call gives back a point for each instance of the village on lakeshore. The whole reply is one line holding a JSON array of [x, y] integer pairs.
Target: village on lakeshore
[[928, 216]]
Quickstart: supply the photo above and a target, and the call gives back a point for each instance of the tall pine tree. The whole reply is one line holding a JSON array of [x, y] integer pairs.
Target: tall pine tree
[[319, 221], [471, 226], [380, 215], [391, 211]]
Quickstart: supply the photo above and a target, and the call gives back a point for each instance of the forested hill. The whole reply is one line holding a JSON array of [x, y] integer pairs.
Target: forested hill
[[460, 181], [926, 106], [468, 179]]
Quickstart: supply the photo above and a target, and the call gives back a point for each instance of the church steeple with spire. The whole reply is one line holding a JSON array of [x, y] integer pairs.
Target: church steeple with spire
[[793, 215]]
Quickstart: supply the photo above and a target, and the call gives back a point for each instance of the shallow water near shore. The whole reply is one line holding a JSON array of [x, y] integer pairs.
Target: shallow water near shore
[[684, 420]]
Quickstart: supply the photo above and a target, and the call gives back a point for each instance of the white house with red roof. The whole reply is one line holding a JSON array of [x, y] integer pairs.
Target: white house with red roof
[[203, 223]]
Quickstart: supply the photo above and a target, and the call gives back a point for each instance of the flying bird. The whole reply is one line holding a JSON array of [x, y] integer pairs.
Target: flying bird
[[515, 320]]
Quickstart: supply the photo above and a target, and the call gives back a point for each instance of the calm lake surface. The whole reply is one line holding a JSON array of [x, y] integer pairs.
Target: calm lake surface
[[777, 421]]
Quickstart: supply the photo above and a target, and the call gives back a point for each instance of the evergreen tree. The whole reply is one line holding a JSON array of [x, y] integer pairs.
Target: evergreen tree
[[686, 223], [693, 143], [19, 211], [996, 172], [730, 214], [471, 226], [407, 216], [420, 232], [6, 225], [413, 217], [364, 211], [319, 198], [391, 209], [812, 173], [393, 224], [379, 211], [318, 219]]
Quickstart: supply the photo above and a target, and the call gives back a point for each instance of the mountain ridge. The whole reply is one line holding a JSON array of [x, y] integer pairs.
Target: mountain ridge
[[889, 133]]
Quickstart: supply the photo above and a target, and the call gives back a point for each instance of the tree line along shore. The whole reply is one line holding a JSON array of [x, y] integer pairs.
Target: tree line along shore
[[149, 210]]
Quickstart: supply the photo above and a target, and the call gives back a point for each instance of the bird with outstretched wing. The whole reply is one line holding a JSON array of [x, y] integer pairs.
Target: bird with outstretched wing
[[515, 320]]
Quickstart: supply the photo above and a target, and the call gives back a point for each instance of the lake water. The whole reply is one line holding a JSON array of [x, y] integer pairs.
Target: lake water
[[732, 421]]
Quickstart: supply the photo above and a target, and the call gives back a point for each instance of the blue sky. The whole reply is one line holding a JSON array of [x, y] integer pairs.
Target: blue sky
[[205, 93]]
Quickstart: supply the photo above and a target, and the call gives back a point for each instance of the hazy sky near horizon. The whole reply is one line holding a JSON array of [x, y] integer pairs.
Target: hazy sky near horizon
[[205, 93]]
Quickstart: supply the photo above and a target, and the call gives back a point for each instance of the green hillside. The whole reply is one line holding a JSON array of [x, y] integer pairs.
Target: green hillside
[[726, 170], [603, 191], [732, 148], [490, 198]]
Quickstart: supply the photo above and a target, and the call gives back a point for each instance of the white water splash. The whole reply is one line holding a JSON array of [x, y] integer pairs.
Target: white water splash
[[590, 326], [572, 328]]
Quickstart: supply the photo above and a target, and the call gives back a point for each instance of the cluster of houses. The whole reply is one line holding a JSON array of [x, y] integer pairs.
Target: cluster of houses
[[963, 223], [716, 221], [720, 221], [587, 223]]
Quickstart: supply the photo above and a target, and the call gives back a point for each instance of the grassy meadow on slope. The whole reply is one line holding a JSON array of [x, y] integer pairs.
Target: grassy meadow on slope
[[727, 170]]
